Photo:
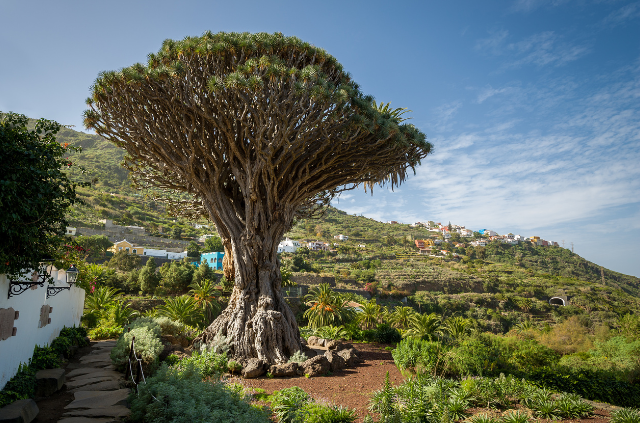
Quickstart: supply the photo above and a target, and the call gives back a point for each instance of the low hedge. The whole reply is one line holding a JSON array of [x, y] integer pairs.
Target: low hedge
[[23, 384]]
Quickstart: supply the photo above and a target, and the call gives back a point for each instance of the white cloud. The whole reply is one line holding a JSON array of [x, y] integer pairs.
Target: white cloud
[[622, 15]]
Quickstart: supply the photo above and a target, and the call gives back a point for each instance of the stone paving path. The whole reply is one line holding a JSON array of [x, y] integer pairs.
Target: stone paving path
[[99, 395]]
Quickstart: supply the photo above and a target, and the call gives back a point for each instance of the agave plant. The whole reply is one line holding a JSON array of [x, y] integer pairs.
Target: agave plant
[[331, 332], [515, 417], [547, 409], [483, 418], [183, 309], [424, 326], [626, 415]]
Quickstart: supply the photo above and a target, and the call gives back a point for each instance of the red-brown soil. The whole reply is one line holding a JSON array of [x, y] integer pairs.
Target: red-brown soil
[[352, 388]]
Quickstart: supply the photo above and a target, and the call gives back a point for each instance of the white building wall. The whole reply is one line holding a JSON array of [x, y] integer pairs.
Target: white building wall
[[155, 253], [67, 307], [176, 256]]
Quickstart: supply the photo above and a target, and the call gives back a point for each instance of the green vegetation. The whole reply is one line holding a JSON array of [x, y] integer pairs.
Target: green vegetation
[[23, 384], [35, 192]]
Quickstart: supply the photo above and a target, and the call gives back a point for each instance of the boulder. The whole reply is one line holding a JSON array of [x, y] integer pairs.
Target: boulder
[[312, 341], [335, 360], [316, 366], [284, 370], [308, 351], [350, 357], [303, 341], [253, 368], [21, 411], [49, 381], [332, 344]]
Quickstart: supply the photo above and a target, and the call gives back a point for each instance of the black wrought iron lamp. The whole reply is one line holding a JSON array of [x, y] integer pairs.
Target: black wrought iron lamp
[[38, 278], [71, 277]]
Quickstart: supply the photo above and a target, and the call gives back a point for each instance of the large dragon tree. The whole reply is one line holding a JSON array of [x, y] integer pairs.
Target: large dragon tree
[[255, 130]]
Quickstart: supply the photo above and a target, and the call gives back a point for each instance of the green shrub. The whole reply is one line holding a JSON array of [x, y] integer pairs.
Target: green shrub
[[105, 331], [515, 417], [316, 413], [148, 345], [208, 363], [288, 404], [385, 334], [298, 357], [626, 415], [182, 397]]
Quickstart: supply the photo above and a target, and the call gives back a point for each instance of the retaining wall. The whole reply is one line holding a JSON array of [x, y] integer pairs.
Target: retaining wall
[[30, 327]]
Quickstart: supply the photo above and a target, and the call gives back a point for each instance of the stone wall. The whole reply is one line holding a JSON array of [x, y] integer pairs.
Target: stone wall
[[312, 279], [39, 320]]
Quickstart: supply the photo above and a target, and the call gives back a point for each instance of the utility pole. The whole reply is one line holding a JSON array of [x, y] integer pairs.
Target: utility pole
[[572, 247], [563, 243]]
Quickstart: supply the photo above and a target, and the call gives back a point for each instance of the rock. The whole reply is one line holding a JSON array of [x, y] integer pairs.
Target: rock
[[308, 351], [114, 411], [318, 365], [312, 340], [303, 341], [335, 360], [284, 370], [110, 385], [22, 411], [49, 381], [332, 344], [350, 357], [99, 399], [253, 368]]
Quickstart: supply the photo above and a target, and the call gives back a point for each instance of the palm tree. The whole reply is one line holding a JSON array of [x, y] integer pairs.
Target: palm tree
[[326, 307], [424, 326], [182, 309], [394, 113], [206, 297], [371, 313], [401, 316], [457, 326], [121, 313], [100, 299]]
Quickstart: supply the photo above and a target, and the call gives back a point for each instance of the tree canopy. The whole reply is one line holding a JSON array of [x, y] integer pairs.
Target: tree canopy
[[34, 191], [253, 130]]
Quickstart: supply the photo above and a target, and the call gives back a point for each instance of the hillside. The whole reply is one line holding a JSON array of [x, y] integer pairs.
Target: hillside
[[498, 284]]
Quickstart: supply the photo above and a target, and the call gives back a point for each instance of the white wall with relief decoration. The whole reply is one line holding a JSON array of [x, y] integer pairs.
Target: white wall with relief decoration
[[33, 326]]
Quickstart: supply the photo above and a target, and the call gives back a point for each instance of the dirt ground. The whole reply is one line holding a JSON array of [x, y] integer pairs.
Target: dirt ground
[[352, 388]]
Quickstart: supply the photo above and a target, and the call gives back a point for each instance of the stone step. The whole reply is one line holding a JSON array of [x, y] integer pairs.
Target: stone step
[[99, 399], [85, 370], [112, 375], [49, 381], [113, 411], [21, 411], [90, 381], [91, 358], [110, 385]]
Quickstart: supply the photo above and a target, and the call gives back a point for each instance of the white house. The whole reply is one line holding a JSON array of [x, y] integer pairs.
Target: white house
[[200, 226], [479, 243], [341, 237], [288, 246], [205, 237], [318, 245], [466, 233], [176, 256], [71, 231], [155, 253]]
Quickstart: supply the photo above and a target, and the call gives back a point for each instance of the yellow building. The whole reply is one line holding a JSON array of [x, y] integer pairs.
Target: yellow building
[[125, 245]]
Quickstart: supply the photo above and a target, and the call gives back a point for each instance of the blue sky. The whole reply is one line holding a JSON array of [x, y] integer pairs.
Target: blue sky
[[533, 106]]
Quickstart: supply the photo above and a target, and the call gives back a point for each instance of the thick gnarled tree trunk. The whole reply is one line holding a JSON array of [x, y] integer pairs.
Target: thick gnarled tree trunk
[[257, 322]]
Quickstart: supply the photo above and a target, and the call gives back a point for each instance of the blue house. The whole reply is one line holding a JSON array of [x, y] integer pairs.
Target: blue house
[[214, 260]]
